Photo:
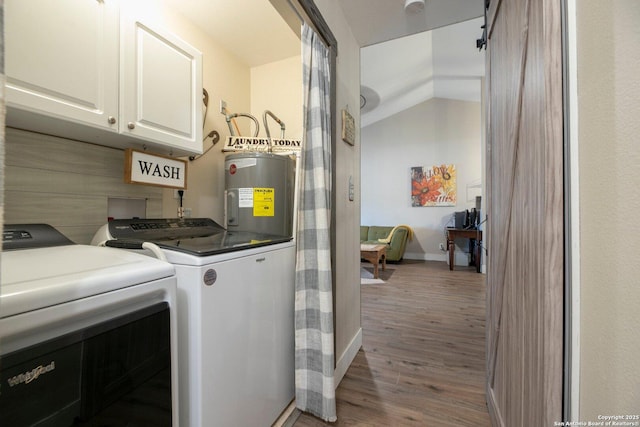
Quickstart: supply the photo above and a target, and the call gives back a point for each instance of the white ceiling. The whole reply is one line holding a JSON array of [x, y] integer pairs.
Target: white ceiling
[[402, 64], [376, 21]]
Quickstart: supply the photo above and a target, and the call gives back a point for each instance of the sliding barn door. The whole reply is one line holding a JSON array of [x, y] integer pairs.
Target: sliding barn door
[[525, 211]]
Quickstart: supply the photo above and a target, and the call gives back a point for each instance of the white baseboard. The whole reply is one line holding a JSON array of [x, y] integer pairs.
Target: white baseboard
[[444, 256], [347, 357], [289, 416], [460, 258]]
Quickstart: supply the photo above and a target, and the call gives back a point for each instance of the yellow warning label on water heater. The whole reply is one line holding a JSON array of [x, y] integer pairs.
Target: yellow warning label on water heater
[[263, 201]]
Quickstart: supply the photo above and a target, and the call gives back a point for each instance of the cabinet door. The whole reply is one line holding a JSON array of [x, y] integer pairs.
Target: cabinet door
[[62, 59], [161, 90]]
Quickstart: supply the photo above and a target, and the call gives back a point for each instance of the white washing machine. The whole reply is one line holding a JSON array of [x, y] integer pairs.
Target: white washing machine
[[236, 317], [87, 334]]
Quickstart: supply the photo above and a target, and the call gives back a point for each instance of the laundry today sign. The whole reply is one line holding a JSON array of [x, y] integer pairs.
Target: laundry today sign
[[242, 143], [153, 169]]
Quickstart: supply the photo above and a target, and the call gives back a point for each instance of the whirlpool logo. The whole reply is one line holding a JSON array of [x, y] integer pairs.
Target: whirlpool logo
[[31, 375]]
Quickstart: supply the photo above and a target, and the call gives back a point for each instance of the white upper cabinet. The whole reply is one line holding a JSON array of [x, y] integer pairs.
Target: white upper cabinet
[[161, 86], [62, 59], [77, 69]]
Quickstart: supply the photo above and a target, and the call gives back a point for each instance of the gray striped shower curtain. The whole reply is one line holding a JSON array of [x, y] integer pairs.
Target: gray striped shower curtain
[[314, 357]]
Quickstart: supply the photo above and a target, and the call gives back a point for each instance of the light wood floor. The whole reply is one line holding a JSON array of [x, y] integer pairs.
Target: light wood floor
[[422, 361]]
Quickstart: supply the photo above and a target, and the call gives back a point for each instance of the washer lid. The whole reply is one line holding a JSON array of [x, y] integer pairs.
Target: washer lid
[[201, 237], [32, 279]]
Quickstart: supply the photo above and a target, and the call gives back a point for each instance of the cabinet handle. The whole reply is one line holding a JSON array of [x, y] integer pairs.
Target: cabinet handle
[[112, 120], [131, 125]]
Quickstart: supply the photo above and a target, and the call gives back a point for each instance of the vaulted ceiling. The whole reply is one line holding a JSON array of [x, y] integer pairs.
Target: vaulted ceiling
[[401, 73]]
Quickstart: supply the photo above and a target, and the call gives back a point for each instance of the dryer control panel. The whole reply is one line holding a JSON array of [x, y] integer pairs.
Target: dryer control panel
[[29, 236]]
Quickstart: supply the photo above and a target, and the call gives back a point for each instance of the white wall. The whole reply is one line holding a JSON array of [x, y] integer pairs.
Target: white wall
[[438, 131], [608, 37], [347, 257], [278, 87]]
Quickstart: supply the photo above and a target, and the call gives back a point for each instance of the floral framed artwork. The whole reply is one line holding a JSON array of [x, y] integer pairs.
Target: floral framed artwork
[[433, 186]]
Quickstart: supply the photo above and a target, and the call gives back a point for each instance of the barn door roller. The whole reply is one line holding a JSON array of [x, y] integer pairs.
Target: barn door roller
[[482, 41]]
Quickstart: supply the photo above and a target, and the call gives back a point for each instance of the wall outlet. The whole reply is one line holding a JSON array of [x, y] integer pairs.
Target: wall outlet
[[184, 212], [442, 247]]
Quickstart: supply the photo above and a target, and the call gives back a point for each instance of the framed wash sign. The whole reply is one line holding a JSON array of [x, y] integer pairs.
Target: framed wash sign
[[433, 186], [153, 169]]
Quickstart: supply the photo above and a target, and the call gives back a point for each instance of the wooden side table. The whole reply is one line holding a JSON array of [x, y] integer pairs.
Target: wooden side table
[[373, 254], [474, 236]]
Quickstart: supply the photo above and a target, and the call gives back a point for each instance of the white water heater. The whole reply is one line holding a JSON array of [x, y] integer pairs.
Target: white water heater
[[259, 193]]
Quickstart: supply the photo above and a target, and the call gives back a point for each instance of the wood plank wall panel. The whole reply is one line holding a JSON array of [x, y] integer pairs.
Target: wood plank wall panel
[[66, 183], [525, 272]]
